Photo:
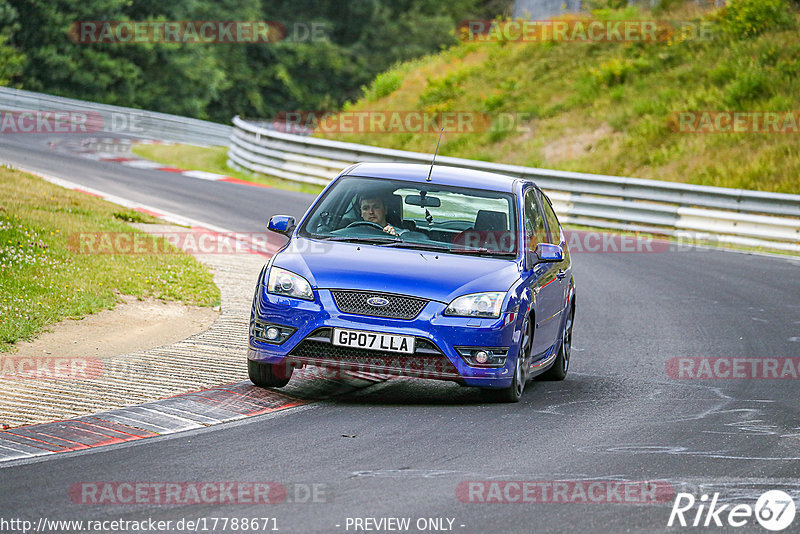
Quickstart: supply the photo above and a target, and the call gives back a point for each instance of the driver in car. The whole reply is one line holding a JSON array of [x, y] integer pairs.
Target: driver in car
[[373, 209]]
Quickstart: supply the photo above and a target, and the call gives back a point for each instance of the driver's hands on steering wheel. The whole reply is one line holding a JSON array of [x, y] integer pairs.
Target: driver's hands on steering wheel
[[389, 229]]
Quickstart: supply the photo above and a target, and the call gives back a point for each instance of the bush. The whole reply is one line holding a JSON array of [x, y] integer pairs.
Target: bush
[[383, 85], [606, 4], [751, 85], [748, 18], [617, 71], [498, 99], [441, 91]]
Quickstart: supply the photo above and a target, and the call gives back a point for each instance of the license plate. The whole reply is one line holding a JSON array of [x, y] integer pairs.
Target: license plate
[[373, 340]]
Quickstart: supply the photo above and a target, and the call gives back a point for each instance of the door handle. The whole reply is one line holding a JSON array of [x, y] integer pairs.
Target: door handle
[[561, 274]]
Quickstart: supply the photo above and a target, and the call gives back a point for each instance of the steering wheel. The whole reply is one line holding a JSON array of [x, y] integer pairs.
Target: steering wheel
[[365, 223]]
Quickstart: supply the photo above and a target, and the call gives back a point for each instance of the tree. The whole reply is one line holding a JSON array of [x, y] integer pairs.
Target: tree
[[361, 38]]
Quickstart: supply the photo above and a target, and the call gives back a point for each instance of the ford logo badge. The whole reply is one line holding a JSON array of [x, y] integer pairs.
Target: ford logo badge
[[378, 302]]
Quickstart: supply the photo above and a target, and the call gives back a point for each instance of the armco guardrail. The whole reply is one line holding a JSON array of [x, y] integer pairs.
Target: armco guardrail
[[717, 214], [108, 120]]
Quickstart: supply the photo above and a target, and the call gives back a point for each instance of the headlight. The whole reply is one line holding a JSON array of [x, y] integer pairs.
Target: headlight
[[477, 305], [288, 284]]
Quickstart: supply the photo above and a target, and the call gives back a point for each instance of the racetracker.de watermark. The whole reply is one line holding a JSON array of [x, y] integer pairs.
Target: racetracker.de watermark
[[195, 31], [204, 493], [733, 368], [60, 121], [68, 121], [732, 122], [181, 31], [400, 121], [199, 241], [582, 30], [50, 368], [565, 491], [377, 365], [193, 241]]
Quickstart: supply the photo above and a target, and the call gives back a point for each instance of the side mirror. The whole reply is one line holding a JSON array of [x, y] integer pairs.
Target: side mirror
[[547, 252], [282, 224]]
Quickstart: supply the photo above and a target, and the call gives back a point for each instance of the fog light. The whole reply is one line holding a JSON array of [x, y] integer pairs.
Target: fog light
[[271, 333], [483, 356]]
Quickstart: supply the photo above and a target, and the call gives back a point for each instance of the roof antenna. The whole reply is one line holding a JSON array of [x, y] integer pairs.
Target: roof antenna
[[428, 179]]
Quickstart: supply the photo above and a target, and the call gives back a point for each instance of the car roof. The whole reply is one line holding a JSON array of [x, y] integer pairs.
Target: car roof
[[441, 175]]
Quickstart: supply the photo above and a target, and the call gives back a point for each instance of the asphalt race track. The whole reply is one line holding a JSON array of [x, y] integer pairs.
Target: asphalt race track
[[411, 448]]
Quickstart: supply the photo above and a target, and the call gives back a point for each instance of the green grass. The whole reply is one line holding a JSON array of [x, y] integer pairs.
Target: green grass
[[212, 159], [609, 107], [43, 280]]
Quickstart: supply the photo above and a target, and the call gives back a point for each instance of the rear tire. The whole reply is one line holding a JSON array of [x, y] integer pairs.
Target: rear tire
[[560, 367], [268, 375]]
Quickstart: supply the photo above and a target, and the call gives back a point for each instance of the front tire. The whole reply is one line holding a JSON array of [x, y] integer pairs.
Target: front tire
[[560, 367], [514, 392], [268, 375]]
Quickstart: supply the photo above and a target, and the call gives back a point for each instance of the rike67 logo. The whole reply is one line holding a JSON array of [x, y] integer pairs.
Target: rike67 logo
[[774, 510]]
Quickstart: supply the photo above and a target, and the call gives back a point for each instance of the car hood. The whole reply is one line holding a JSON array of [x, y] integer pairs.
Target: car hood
[[430, 275]]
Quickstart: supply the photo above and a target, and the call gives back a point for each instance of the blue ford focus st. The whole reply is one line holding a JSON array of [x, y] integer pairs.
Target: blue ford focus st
[[409, 270]]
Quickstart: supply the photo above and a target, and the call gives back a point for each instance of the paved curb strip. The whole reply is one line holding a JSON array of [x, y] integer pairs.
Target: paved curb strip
[[183, 412], [108, 149]]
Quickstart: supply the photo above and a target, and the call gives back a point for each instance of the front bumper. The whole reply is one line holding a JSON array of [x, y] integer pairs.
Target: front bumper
[[436, 336]]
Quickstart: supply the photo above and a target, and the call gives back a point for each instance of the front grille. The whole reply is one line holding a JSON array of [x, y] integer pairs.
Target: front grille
[[399, 307], [426, 362]]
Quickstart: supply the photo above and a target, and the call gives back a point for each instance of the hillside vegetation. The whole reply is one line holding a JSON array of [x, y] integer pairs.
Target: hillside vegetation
[[615, 107]]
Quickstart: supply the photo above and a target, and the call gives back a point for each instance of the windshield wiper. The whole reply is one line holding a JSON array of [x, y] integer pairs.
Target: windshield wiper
[[482, 252], [416, 245], [444, 248], [353, 239]]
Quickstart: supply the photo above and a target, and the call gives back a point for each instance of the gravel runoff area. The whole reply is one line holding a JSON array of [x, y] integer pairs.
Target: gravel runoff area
[[98, 382]]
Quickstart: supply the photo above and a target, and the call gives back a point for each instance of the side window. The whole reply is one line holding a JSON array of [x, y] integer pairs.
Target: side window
[[554, 233], [534, 222]]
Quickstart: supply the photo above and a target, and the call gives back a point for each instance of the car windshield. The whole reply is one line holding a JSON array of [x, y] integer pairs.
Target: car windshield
[[395, 213]]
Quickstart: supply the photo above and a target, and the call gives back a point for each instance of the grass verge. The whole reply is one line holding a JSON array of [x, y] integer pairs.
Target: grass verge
[[43, 281], [212, 159]]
